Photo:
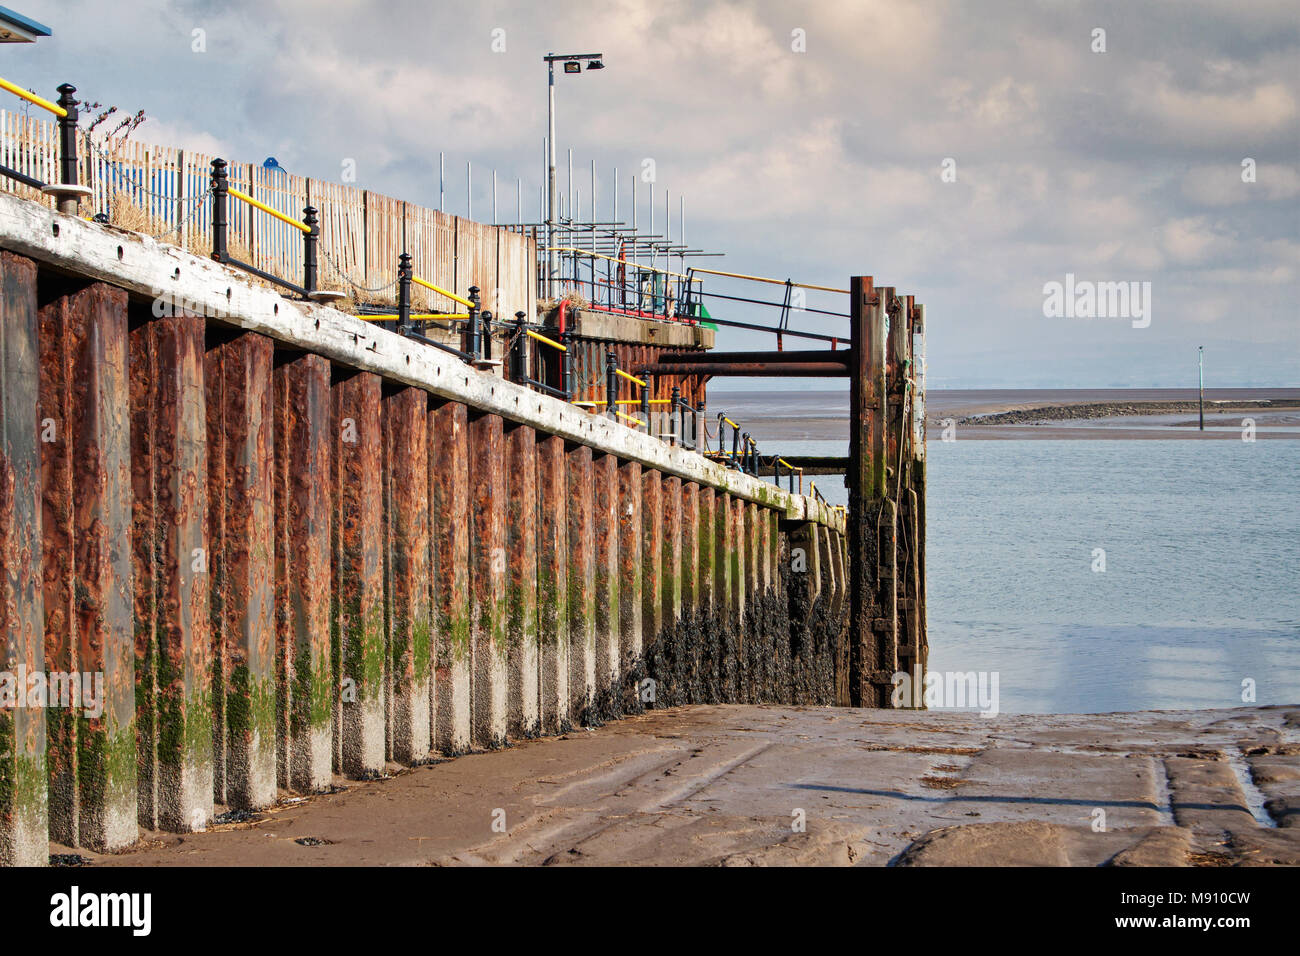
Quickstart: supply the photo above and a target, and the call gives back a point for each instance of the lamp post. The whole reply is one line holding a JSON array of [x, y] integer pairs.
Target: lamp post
[[1200, 371], [572, 64]]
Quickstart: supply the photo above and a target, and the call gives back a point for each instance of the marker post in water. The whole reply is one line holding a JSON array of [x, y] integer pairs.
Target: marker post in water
[[1200, 371]]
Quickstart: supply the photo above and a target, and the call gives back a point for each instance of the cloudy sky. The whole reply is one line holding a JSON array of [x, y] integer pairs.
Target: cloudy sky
[[969, 153]]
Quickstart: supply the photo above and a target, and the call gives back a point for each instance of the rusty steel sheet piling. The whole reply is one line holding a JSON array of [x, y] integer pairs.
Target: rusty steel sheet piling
[[671, 493], [358, 646], [690, 551], [409, 625], [237, 378], [89, 627], [173, 644], [524, 719], [24, 821], [553, 584], [449, 574], [652, 568], [707, 660], [487, 581], [305, 676], [632, 660], [605, 539], [581, 583]]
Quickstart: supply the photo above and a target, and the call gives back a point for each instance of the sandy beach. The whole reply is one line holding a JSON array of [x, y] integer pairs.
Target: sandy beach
[[761, 785]]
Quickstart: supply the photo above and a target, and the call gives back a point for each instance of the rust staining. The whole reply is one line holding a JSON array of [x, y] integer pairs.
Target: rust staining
[[449, 528], [87, 504], [487, 580], [358, 647], [305, 709], [553, 584], [582, 584]]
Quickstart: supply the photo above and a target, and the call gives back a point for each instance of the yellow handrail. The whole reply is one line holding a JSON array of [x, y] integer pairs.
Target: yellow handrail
[[44, 104], [451, 295], [541, 338], [729, 422], [268, 209], [629, 418], [630, 378], [741, 275], [634, 265]]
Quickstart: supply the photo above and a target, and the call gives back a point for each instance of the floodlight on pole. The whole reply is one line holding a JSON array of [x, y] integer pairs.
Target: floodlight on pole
[[572, 64]]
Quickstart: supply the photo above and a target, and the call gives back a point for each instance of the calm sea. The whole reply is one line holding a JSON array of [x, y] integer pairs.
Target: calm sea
[[1200, 590]]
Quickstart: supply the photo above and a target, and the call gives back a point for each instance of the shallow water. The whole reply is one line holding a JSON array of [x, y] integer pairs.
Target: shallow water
[[1201, 587]]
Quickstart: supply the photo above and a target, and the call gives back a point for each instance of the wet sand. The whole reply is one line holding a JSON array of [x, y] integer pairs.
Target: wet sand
[[730, 785], [1075, 414]]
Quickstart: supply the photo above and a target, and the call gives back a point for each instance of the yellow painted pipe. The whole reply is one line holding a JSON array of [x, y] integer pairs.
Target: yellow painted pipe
[[729, 422], [741, 275], [630, 378], [541, 338], [44, 104], [451, 295], [629, 418], [268, 210]]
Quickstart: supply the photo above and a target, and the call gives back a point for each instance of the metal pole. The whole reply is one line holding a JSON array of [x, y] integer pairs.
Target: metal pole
[[611, 383], [404, 273], [552, 257], [472, 326], [494, 197], [442, 184], [469, 189], [220, 199], [68, 148], [309, 241], [566, 339], [1200, 361]]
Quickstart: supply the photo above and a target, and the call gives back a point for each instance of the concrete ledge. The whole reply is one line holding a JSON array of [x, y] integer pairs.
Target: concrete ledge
[[593, 324], [157, 270]]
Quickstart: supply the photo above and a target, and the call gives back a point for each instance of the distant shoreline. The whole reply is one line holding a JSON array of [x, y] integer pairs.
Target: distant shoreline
[[1017, 414]]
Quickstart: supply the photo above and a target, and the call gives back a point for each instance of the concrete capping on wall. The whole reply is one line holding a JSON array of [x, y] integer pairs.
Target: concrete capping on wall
[[157, 270]]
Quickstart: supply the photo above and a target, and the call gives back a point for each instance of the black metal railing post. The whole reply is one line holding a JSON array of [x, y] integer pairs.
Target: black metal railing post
[[519, 354], [676, 431], [220, 210], [68, 147], [472, 344], [404, 273], [310, 238], [646, 392], [722, 433], [566, 364], [611, 383]]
